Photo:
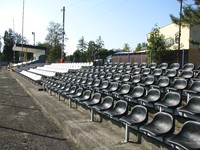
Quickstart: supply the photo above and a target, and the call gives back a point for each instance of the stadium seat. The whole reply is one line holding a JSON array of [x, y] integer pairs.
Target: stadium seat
[[137, 118], [193, 90], [120, 109], [123, 89], [136, 93], [106, 104], [171, 101], [192, 108], [188, 138], [161, 84], [153, 96], [161, 127]]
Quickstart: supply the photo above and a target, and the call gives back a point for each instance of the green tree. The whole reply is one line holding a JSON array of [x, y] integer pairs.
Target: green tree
[[189, 17], [82, 47], [10, 38], [100, 45], [126, 48], [156, 46], [91, 51], [138, 47], [54, 39]]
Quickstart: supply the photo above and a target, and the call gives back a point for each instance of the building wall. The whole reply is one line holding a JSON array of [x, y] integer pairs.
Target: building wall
[[171, 32]]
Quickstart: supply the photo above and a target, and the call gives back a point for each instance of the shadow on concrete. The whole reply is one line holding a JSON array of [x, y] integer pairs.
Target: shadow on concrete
[[19, 106], [32, 133]]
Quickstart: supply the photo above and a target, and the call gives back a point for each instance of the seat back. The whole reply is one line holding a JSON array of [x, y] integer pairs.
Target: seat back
[[152, 65], [138, 92], [104, 84], [126, 78], [175, 66], [96, 97], [195, 86], [153, 95], [149, 80], [102, 74], [135, 65], [180, 84], [96, 82], [109, 75], [121, 107], [163, 66], [172, 99], [157, 72], [164, 121], [79, 91], [136, 78], [136, 71], [113, 86], [188, 66], [117, 76], [146, 71], [163, 81], [171, 73], [140, 113], [108, 102], [124, 89], [143, 65], [87, 94], [187, 74]]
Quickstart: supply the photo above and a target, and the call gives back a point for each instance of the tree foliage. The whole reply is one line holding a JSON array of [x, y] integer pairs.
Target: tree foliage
[[54, 41], [10, 38], [189, 17], [156, 45], [126, 48]]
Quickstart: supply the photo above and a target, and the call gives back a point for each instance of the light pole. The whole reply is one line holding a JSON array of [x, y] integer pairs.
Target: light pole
[[33, 33]]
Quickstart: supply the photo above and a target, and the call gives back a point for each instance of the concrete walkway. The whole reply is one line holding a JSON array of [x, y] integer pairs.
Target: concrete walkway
[[76, 124], [23, 124]]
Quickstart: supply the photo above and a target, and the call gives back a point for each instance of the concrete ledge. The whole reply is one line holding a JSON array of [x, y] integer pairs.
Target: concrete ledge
[[76, 123]]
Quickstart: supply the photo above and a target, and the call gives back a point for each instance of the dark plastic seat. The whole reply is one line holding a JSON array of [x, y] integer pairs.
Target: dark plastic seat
[[161, 84], [143, 65], [125, 78], [120, 69], [152, 97], [171, 73], [84, 97], [162, 125], [157, 72], [127, 65], [136, 93], [178, 85], [186, 74], [116, 77], [136, 71], [145, 71], [193, 90], [175, 66], [123, 89], [188, 138], [148, 81], [120, 109], [135, 79], [113, 69], [152, 66], [188, 66], [192, 107], [95, 99], [128, 70], [78, 93], [135, 65], [104, 85], [88, 83], [105, 105], [102, 75], [96, 83], [112, 88], [137, 117], [171, 100], [109, 76], [71, 91], [163, 66]]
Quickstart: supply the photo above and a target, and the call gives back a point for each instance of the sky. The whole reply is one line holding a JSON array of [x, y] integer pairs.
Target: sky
[[116, 21]]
